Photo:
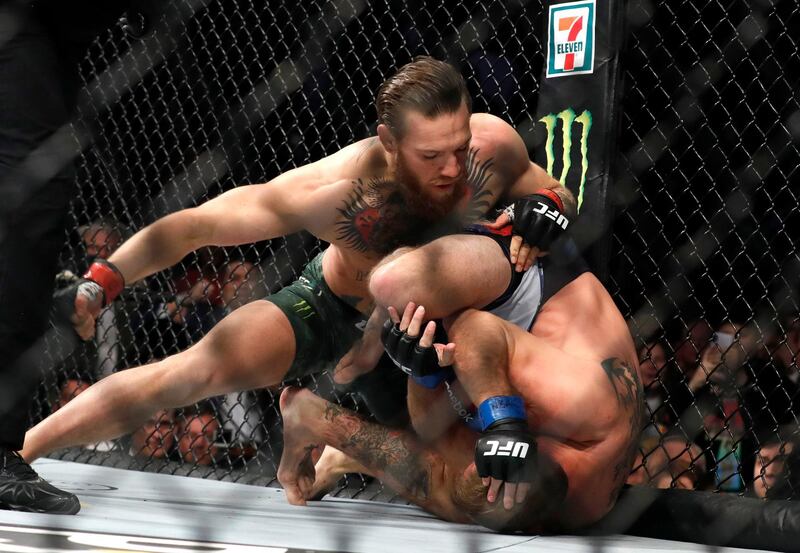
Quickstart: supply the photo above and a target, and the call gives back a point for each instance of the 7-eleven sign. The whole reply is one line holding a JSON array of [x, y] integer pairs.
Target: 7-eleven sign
[[570, 39]]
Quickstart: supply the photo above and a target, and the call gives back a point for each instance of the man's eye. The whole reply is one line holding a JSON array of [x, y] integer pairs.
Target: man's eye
[[462, 148], [430, 156]]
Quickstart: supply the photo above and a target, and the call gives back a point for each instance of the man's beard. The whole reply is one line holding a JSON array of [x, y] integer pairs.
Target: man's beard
[[411, 217], [421, 203]]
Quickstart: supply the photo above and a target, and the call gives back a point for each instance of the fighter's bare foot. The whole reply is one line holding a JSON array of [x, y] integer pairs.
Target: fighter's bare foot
[[302, 412], [332, 465]]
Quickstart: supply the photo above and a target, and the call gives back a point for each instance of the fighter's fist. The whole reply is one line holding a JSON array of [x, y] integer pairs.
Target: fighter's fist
[[537, 221], [80, 303], [506, 451]]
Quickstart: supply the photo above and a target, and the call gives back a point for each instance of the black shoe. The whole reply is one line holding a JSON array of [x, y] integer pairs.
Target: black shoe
[[21, 489]]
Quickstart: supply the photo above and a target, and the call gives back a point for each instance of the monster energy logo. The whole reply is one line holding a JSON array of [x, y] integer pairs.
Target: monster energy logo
[[567, 118], [303, 309]]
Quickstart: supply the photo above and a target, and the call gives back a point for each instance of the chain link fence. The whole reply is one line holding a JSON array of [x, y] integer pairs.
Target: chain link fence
[[222, 93], [215, 95], [705, 260]]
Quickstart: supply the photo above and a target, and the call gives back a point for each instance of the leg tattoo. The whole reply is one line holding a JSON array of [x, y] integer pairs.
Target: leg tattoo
[[311, 422], [392, 454]]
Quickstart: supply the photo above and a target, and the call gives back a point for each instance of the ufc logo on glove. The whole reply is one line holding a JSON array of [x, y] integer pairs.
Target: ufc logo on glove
[[553, 214], [510, 449]]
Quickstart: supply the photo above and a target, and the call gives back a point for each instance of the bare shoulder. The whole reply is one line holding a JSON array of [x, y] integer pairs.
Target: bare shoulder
[[495, 132], [496, 138], [355, 160], [334, 174], [489, 122]]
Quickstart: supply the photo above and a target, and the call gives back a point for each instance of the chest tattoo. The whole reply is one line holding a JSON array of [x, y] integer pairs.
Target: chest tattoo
[[377, 218], [478, 175], [362, 213]]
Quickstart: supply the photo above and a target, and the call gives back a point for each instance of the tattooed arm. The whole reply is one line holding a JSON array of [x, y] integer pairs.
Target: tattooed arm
[[627, 388], [518, 174]]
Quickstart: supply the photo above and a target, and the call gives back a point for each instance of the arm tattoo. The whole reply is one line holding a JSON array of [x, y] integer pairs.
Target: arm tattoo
[[628, 391], [478, 175], [389, 452]]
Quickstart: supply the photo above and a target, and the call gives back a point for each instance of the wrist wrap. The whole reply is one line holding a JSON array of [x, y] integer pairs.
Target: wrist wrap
[[498, 408], [433, 380], [107, 275], [553, 196]]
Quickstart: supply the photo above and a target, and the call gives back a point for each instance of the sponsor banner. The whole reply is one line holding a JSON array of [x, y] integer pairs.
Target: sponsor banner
[[571, 34], [575, 135]]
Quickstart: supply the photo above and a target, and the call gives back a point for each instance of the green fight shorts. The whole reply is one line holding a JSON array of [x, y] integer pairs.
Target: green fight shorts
[[325, 327]]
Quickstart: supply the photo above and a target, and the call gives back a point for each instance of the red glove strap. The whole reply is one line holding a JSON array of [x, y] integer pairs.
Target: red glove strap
[[108, 276], [553, 196]]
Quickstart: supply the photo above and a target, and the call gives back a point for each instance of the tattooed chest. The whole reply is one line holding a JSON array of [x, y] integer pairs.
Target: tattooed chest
[[480, 181], [377, 217], [368, 213]]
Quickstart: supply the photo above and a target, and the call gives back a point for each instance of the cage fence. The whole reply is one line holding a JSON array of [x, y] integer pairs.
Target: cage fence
[[704, 264]]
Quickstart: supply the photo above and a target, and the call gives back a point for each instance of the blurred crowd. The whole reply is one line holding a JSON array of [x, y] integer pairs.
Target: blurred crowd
[[723, 403], [148, 325], [721, 398]]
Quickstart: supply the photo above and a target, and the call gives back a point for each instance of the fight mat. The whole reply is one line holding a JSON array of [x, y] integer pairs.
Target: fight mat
[[156, 513]]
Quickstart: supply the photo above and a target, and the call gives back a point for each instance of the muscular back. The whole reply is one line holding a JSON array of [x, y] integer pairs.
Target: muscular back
[[578, 373]]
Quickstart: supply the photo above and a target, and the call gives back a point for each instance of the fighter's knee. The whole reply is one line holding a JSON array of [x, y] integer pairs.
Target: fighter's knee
[[397, 274], [383, 283]]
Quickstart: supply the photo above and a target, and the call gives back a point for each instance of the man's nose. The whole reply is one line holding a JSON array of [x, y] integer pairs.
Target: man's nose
[[452, 167]]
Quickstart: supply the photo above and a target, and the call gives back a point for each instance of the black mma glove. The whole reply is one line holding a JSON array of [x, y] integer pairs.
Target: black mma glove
[[101, 281], [539, 218], [506, 449], [420, 363]]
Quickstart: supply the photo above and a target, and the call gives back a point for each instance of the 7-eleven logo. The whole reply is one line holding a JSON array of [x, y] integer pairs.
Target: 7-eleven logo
[[571, 39]]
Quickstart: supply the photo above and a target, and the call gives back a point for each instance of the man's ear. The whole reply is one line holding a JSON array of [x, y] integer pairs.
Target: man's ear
[[388, 141]]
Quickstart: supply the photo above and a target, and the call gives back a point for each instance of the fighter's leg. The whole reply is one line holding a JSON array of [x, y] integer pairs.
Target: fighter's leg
[[417, 473], [331, 466], [446, 275], [251, 348]]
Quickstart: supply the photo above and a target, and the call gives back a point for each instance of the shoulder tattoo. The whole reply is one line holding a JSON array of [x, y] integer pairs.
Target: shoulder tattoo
[[478, 175], [629, 393]]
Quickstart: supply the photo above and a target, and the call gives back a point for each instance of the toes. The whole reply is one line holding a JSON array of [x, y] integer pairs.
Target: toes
[[294, 496]]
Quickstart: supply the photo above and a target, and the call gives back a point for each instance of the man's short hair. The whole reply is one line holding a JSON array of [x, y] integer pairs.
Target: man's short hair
[[426, 85], [546, 495]]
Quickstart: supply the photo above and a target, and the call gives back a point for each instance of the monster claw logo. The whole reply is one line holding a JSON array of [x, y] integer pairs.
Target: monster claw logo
[[568, 120], [571, 39]]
